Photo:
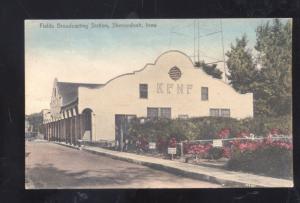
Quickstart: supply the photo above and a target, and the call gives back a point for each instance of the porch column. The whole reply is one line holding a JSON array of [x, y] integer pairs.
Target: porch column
[[61, 130], [46, 132], [76, 130], [58, 130], [54, 131], [65, 129], [48, 129], [80, 126]]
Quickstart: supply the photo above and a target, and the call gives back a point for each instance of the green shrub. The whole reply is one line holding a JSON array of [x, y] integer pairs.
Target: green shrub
[[268, 160], [215, 153], [204, 127]]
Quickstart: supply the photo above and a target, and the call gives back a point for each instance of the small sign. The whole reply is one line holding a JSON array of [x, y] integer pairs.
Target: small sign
[[217, 143], [152, 145], [171, 150]]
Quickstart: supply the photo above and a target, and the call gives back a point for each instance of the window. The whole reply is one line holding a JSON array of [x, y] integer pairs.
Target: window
[[204, 93], [165, 112], [225, 112], [183, 116], [144, 91], [220, 112], [152, 112], [214, 112], [158, 112]]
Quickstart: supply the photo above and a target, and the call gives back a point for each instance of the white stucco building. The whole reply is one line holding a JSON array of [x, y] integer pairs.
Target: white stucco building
[[170, 87]]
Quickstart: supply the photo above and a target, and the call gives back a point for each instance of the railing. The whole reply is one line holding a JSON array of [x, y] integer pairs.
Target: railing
[[283, 137]]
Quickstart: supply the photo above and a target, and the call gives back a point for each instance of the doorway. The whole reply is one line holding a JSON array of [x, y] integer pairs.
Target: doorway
[[87, 124], [122, 122]]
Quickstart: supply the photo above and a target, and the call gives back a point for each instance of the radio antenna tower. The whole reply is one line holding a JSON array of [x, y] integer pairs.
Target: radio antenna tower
[[222, 40]]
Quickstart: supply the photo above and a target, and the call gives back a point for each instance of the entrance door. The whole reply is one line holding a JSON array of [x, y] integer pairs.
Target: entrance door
[[87, 124], [121, 129]]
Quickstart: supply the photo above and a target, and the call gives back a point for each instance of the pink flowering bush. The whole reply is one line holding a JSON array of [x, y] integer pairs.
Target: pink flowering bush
[[142, 144], [162, 144], [268, 157], [224, 133], [242, 134], [200, 150]]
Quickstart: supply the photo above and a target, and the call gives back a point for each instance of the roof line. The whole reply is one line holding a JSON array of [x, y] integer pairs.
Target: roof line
[[80, 83], [189, 58], [148, 64]]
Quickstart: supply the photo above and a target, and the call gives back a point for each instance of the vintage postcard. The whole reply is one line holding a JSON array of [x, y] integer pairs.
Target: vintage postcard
[[164, 103]]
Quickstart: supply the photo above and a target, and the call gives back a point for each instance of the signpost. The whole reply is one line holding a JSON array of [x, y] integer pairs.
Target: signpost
[[152, 145], [172, 151], [217, 143]]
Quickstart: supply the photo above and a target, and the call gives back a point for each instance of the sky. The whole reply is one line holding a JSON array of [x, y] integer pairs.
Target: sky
[[90, 54]]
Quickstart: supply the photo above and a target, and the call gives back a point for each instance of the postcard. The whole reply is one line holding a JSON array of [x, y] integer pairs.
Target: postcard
[[158, 103]]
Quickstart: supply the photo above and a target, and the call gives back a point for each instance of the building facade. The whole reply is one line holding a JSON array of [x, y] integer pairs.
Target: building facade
[[171, 87]]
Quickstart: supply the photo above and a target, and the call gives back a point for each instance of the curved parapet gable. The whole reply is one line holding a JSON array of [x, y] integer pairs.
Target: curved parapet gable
[[168, 60], [166, 56]]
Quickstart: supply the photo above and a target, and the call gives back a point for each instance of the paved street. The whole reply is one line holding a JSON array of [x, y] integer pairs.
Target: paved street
[[49, 165]]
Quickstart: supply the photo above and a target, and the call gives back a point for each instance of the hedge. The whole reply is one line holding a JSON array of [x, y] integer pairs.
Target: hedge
[[205, 127]]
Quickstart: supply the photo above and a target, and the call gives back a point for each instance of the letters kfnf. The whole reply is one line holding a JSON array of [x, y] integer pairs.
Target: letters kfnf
[[171, 88]]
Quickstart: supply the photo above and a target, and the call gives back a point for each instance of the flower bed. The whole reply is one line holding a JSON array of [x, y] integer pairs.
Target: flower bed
[[265, 155], [273, 158]]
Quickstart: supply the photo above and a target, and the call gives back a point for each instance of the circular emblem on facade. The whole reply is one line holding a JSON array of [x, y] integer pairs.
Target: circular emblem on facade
[[175, 73]]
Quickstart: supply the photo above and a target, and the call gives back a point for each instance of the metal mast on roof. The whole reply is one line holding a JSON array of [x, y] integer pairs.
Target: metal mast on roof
[[194, 41], [197, 36], [198, 42], [222, 40]]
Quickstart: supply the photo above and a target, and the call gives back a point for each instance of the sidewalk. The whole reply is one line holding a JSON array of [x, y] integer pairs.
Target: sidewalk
[[214, 175]]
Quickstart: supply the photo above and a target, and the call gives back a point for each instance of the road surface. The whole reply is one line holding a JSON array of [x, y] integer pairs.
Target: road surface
[[50, 166]]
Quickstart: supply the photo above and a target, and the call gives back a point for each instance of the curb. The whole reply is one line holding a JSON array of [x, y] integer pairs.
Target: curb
[[224, 182], [176, 171], [68, 145]]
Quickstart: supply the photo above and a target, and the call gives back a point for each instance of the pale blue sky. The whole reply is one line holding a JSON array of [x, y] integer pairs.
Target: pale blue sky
[[97, 54]]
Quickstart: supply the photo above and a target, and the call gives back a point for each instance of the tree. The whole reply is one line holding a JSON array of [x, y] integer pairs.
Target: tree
[[274, 46], [36, 120], [242, 70], [210, 69], [271, 83]]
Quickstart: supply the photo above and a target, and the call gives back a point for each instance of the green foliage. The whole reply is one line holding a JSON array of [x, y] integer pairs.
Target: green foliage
[[36, 120], [241, 68], [204, 127], [210, 69], [269, 75], [215, 153], [261, 126], [274, 45], [273, 161]]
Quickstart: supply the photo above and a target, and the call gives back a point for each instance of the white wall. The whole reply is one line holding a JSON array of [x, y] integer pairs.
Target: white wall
[[121, 95]]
